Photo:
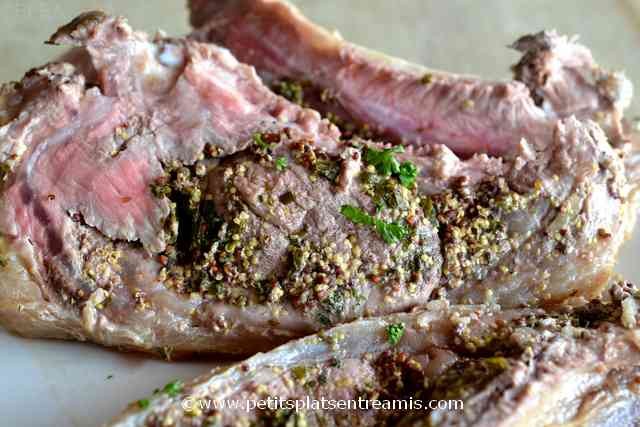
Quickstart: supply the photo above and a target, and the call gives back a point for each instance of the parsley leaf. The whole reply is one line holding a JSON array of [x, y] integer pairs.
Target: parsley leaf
[[291, 90], [384, 161], [282, 163], [356, 215], [143, 403], [261, 143], [395, 331], [173, 388], [408, 173], [386, 164], [390, 232]]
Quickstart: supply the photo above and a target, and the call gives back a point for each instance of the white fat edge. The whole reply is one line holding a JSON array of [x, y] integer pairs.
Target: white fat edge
[[162, 61], [629, 312], [351, 166], [226, 57], [227, 79], [12, 150], [619, 88], [170, 56]]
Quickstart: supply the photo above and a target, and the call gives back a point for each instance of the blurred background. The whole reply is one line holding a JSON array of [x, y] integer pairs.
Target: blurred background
[[82, 385]]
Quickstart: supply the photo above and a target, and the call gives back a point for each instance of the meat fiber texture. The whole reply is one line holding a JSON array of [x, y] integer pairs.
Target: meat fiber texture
[[523, 367], [97, 157], [556, 78]]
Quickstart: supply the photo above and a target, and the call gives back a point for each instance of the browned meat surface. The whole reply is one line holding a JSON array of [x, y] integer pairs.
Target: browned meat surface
[[407, 102], [523, 367], [175, 204]]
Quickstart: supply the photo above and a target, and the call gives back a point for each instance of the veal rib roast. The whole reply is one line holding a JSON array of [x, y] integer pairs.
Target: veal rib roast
[[161, 198], [408, 103], [487, 367]]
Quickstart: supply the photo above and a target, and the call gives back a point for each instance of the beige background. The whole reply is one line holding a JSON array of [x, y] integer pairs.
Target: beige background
[[71, 381]]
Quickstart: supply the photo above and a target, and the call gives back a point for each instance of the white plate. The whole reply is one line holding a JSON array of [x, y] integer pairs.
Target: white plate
[[47, 383]]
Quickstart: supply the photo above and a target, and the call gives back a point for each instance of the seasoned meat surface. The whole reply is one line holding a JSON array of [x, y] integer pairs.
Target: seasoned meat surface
[[525, 367], [168, 201]]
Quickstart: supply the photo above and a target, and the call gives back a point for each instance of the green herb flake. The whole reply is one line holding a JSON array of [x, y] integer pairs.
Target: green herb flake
[[327, 168], [391, 232], [259, 141], [143, 403], [386, 164], [3, 262], [395, 331], [408, 173], [291, 90], [173, 388], [282, 163], [356, 215], [384, 160]]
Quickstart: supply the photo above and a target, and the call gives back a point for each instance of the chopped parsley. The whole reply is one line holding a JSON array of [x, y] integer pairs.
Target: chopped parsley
[[386, 164], [391, 232], [281, 163], [356, 215], [173, 388], [291, 90], [384, 160], [408, 173], [395, 331], [259, 141]]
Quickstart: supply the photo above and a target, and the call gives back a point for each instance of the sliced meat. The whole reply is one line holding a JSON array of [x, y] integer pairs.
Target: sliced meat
[[100, 251], [548, 235], [500, 368], [409, 103], [201, 212]]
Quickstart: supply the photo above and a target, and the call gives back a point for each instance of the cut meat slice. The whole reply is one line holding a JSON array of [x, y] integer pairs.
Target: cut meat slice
[[409, 103], [158, 237], [181, 206], [477, 366], [466, 114]]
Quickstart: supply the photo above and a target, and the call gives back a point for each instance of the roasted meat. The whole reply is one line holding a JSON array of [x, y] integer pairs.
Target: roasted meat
[[128, 220], [167, 201], [408, 103], [501, 368]]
